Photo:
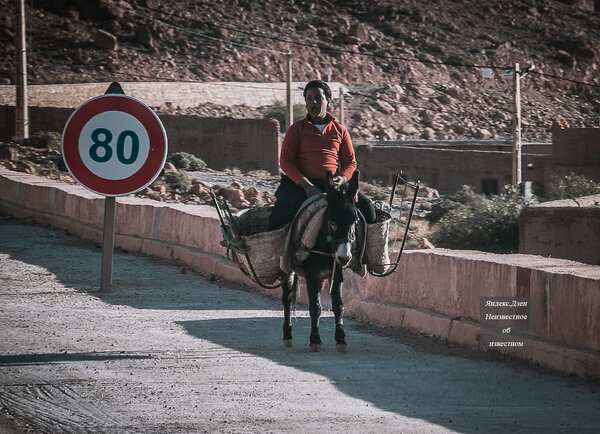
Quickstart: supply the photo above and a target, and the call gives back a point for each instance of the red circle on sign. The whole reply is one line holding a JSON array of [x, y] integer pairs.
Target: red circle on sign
[[120, 103]]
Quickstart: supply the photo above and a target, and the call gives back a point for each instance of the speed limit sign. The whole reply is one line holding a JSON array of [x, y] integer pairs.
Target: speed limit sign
[[114, 145]]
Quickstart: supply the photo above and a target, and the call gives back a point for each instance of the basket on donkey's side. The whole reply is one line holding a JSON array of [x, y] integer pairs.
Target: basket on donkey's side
[[262, 246]]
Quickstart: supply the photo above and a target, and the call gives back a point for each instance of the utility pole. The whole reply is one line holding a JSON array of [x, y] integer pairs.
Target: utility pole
[[341, 105], [516, 126], [21, 111], [289, 109]]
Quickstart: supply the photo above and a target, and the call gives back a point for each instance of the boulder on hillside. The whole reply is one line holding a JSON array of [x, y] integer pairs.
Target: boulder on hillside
[[384, 107], [143, 35], [105, 41]]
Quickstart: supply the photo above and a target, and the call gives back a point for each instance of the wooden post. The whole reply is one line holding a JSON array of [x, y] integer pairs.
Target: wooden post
[[289, 111], [516, 158], [342, 105], [21, 112], [108, 244]]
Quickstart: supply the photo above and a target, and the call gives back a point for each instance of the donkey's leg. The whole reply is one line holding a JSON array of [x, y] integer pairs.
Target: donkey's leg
[[289, 290], [338, 310], [314, 306]]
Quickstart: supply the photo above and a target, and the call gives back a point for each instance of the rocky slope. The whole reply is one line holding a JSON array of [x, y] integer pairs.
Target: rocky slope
[[414, 67]]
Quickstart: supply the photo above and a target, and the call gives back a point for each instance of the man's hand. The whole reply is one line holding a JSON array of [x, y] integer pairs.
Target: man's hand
[[309, 189], [339, 180]]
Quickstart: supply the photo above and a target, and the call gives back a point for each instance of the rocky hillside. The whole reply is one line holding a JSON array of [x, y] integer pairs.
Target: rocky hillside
[[415, 68]]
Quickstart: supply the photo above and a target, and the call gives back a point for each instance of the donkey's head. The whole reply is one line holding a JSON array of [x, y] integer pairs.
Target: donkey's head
[[341, 217]]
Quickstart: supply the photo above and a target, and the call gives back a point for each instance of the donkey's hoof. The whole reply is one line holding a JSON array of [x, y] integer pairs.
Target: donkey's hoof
[[341, 348], [315, 348], [287, 343]]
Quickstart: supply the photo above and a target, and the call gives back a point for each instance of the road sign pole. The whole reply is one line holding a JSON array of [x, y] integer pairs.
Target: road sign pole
[[114, 145], [108, 244]]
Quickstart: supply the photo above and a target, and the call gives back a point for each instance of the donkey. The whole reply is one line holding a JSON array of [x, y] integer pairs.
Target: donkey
[[330, 255]]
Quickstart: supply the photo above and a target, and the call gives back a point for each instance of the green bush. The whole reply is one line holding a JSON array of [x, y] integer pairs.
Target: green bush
[[572, 186], [277, 111], [185, 161], [44, 139], [487, 225], [178, 180], [464, 196]]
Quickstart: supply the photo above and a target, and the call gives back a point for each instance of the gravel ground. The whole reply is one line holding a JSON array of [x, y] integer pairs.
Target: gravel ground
[[170, 351]]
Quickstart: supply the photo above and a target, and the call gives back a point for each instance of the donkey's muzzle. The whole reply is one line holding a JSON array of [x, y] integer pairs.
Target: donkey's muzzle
[[343, 254]]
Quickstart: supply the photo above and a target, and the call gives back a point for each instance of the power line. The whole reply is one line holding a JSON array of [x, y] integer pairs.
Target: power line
[[202, 35], [565, 79]]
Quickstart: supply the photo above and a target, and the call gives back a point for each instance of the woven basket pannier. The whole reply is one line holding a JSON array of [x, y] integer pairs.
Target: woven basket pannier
[[264, 247], [376, 256]]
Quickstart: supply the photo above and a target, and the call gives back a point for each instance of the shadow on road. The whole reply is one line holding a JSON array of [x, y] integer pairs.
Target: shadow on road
[[457, 393], [42, 359]]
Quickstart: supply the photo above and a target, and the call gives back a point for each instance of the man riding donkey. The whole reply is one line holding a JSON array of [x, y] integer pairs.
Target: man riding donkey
[[317, 157]]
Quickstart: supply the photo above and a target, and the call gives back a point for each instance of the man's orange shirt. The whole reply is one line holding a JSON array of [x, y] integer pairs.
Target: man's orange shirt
[[308, 153]]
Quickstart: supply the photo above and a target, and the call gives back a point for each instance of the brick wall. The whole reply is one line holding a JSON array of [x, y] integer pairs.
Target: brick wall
[[248, 144], [446, 170]]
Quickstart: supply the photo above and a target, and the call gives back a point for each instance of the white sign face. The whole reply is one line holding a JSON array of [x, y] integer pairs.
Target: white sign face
[[114, 145]]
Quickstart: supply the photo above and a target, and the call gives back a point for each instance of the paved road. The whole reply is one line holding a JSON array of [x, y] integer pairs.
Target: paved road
[[171, 351]]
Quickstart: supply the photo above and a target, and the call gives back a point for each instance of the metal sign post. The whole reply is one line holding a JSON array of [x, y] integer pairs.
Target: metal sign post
[[108, 244]]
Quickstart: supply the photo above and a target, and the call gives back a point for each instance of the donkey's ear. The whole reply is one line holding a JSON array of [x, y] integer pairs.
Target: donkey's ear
[[353, 185]]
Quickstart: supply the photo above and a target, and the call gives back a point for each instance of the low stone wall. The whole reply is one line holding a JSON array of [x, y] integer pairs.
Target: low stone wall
[[435, 292], [502, 145], [165, 95], [567, 229], [248, 144], [446, 169]]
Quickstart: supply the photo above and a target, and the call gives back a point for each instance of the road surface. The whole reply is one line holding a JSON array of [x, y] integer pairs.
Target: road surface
[[170, 351]]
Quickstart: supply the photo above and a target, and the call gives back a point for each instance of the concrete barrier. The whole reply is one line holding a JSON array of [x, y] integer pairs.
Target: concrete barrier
[[436, 292]]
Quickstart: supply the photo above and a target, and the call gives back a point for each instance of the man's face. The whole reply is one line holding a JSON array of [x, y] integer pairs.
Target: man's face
[[316, 103]]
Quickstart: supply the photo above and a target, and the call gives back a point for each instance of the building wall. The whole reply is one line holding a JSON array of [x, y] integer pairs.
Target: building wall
[[576, 146], [575, 150], [567, 229], [446, 170], [248, 144]]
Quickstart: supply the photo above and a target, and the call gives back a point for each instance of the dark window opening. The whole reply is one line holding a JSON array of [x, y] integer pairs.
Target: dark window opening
[[489, 186]]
